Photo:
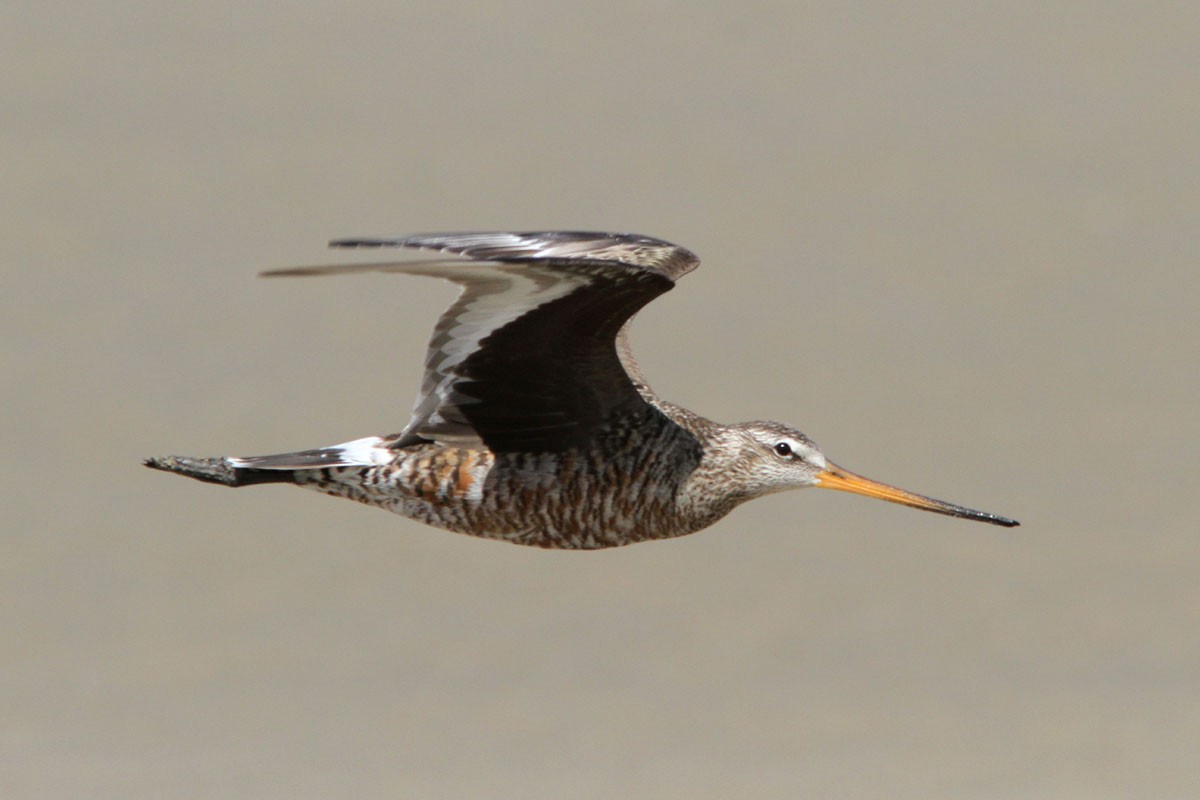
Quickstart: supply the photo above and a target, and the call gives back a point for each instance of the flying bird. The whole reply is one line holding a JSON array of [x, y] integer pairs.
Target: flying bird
[[534, 424]]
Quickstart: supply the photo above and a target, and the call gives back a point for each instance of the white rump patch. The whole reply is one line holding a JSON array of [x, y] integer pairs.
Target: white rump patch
[[359, 453], [366, 451]]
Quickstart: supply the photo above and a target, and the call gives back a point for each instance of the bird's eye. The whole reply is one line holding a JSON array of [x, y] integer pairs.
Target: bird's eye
[[783, 449]]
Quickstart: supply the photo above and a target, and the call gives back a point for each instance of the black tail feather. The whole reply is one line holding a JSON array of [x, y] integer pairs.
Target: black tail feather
[[218, 470]]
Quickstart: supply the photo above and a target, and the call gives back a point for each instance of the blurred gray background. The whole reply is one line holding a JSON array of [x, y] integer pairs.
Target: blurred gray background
[[954, 243]]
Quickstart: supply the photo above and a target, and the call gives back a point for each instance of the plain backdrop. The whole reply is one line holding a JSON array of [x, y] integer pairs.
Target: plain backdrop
[[954, 243]]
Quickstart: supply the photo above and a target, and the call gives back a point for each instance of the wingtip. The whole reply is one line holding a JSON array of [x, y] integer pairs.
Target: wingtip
[[285, 272], [362, 242]]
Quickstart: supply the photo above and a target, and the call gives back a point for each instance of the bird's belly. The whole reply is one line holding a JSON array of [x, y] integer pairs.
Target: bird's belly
[[544, 500]]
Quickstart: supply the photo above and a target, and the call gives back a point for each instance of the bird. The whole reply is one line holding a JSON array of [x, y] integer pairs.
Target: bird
[[534, 424]]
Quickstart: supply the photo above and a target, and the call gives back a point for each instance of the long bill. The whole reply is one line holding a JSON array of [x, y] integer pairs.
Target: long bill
[[834, 477]]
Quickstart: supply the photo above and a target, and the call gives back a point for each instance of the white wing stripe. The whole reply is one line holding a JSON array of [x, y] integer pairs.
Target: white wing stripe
[[485, 306]]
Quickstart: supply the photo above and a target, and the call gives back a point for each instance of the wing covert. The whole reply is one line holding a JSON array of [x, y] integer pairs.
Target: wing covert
[[525, 359]]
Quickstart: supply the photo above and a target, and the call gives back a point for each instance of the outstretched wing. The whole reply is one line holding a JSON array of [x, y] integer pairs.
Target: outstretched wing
[[526, 357]]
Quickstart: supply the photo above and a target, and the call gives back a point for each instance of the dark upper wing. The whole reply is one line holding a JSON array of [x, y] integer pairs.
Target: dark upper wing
[[526, 358]]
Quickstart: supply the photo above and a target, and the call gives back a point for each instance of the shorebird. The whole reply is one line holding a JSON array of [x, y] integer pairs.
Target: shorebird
[[534, 424]]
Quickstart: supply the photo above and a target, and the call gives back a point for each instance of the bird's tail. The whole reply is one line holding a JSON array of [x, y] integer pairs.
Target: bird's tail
[[219, 470]]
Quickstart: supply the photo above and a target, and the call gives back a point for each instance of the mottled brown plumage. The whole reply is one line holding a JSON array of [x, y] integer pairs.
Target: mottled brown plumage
[[534, 424]]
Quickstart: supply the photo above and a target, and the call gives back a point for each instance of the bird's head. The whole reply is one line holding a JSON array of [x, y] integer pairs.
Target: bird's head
[[770, 457]]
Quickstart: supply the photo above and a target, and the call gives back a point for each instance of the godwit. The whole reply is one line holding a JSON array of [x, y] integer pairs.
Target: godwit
[[534, 424]]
